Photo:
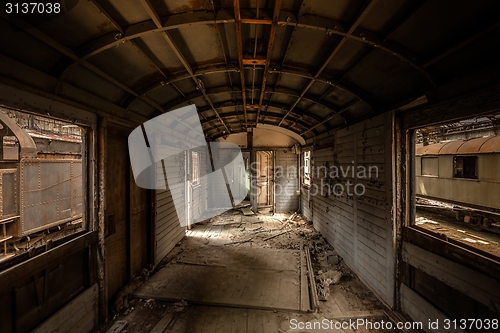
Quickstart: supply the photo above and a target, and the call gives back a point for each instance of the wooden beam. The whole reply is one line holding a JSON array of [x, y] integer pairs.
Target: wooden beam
[[101, 219], [239, 45], [259, 61], [272, 36], [477, 286], [12, 276], [422, 311], [454, 250], [256, 21], [80, 314]]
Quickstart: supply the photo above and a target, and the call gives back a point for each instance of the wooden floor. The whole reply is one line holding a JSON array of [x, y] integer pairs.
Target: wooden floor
[[228, 276], [237, 243], [233, 227]]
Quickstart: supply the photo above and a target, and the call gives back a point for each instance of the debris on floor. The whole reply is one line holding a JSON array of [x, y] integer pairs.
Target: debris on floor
[[341, 293], [247, 211], [325, 280]]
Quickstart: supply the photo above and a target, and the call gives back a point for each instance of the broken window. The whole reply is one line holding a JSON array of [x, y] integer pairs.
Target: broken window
[[447, 204], [465, 167], [41, 181], [307, 168]]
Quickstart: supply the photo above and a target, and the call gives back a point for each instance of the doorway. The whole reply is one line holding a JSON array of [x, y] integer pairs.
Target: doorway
[[264, 170]]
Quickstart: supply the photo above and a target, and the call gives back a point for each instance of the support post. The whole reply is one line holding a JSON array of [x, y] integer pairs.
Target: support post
[[101, 206]]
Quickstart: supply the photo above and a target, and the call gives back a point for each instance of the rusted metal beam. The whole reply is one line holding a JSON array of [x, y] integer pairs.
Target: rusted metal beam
[[108, 17], [335, 51], [318, 101], [239, 45], [270, 44], [399, 21], [159, 70], [156, 19], [330, 117]]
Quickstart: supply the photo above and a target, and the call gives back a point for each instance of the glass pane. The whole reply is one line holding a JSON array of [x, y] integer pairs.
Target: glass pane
[[10, 148], [8, 194], [457, 183]]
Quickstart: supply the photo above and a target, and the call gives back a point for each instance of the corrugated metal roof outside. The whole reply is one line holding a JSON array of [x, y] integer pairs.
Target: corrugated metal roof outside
[[461, 147]]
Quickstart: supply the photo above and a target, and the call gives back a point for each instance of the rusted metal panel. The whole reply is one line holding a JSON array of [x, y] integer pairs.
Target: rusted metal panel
[[491, 145], [471, 146], [28, 147], [451, 147], [51, 193], [429, 149]]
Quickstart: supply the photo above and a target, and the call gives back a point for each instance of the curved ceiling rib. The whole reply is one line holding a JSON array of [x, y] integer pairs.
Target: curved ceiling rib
[[327, 119], [153, 85], [278, 113], [154, 16], [272, 115], [176, 21], [70, 54], [336, 49], [224, 89]]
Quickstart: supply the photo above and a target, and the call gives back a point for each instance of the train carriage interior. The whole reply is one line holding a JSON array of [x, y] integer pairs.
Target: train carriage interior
[[249, 166]]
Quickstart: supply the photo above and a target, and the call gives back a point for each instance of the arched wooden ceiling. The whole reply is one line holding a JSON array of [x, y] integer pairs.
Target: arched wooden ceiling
[[309, 66]]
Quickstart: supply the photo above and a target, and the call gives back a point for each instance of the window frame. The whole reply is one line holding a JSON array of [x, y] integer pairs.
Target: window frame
[[463, 158], [428, 158], [195, 168], [415, 234], [88, 136], [306, 170]]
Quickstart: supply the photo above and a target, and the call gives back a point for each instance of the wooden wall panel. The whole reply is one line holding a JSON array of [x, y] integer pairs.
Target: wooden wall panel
[[471, 283], [139, 227], [421, 311], [80, 315], [117, 180], [169, 219], [286, 187], [359, 225], [35, 289], [306, 203]]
